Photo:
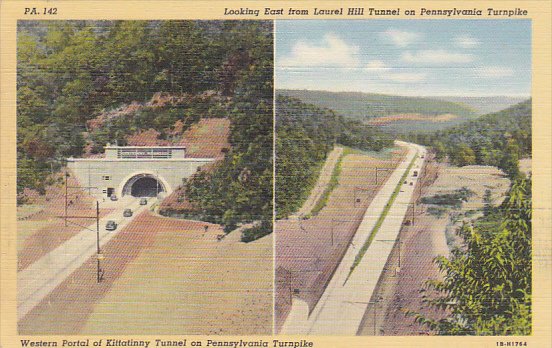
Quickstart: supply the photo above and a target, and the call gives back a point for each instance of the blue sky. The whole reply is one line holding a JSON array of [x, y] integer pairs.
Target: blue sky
[[406, 57]]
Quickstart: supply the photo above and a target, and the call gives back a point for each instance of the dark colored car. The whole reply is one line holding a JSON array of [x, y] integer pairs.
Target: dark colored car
[[127, 213], [111, 225], [143, 201]]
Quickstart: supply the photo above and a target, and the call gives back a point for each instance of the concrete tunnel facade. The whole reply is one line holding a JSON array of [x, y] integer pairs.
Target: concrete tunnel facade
[[139, 171]]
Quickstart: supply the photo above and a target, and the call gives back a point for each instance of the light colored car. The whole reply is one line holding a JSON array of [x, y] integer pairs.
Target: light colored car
[[143, 201], [111, 225], [114, 198], [127, 212]]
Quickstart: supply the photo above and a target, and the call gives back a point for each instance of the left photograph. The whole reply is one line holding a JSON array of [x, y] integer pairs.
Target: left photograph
[[145, 177]]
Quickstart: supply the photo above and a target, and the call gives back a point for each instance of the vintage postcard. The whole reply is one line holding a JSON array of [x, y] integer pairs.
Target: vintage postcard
[[279, 174]]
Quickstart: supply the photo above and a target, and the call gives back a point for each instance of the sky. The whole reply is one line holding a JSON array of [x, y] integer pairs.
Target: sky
[[406, 57]]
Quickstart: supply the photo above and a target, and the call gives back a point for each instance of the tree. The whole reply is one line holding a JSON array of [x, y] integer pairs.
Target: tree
[[463, 155], [486, 289], [498, 139], [440, 150], [487, 202], [186, 61], [130, 57], [510, 160]]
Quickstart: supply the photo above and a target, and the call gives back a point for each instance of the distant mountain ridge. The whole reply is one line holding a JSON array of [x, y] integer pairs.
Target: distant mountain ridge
[[400, 114], [368, 105], [394, 114], [486, 105]]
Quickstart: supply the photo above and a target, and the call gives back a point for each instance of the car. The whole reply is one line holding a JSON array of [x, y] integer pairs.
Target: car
[[127, 213], [114, 198], [143, 201], [111, 225]]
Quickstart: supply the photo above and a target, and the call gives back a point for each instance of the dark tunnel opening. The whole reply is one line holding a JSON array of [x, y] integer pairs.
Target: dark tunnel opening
[[146, 187]]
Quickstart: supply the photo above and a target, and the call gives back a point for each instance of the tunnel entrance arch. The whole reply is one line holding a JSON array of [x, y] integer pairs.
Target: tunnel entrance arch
[[144, 185]]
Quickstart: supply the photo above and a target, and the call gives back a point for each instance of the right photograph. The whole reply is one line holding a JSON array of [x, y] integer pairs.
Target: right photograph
[[403, 177]]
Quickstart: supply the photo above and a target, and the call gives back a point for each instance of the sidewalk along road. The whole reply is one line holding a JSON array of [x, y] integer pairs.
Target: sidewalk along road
[[342, 306], [44, 275]]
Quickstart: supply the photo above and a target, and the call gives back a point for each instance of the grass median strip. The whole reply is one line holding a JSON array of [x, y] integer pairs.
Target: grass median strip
[[381, 218], [323, 200]]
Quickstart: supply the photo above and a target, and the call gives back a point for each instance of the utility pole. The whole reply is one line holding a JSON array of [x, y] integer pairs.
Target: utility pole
[[290, 287], [375, 305], [393, 240], [89, 180], [400, 245], [291, 277], [332, 227], [332, 231], [67, 187], [99, 270], [385, 169], [355, 193], [99, 256], [66, 191]]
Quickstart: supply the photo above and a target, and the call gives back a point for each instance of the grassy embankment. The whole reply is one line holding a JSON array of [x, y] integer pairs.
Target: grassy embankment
[[334, 182]]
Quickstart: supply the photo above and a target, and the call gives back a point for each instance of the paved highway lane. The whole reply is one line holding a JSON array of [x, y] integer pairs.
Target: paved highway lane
[[342, 306], [35, 282]]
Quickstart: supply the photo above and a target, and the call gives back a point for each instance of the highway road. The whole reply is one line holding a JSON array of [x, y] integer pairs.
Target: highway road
[[341, 308], [35, 282]]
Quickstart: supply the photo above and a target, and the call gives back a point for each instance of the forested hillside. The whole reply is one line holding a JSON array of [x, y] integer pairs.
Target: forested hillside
[[305, 135], [74, 77], [485, 105], [367, 107], [499, 139], [240, 188]]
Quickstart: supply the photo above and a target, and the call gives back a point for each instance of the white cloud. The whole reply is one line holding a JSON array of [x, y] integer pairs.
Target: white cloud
[[376, 66], [494, 72], [466, 41], [332, 52], [383, 72], [436, 57], [401, 38]]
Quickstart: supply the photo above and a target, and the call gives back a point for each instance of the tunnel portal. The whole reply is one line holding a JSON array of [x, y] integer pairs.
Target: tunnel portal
[[143, 185]]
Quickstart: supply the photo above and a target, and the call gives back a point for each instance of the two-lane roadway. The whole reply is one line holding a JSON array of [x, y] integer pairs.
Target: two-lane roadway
[[35, 282]]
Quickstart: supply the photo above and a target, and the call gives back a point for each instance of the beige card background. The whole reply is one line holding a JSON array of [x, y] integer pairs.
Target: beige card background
[[538, 11]]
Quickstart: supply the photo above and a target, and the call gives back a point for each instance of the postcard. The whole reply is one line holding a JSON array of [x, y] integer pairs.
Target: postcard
[[275, 174]]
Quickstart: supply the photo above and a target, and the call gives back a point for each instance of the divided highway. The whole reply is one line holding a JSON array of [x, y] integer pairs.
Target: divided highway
[[342, 306], [35, 282]]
